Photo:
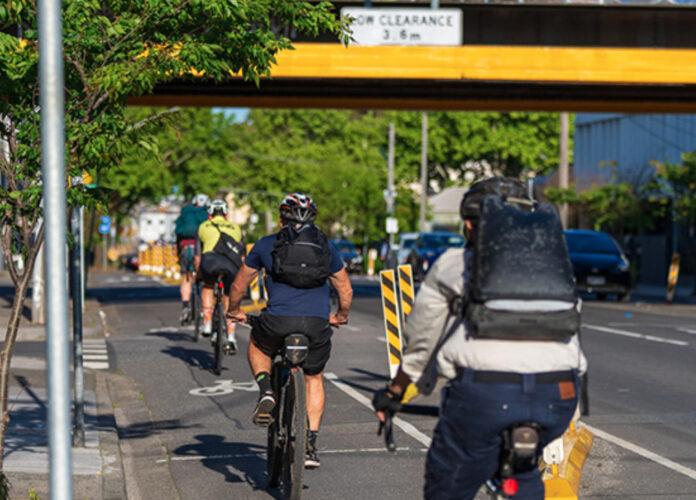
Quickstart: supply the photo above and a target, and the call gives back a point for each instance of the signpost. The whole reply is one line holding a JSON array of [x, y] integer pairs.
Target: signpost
[[104, 229], [405, 26]]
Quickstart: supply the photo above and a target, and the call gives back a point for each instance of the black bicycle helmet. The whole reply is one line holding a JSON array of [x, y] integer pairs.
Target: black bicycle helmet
[[511, 190], [298, 207]]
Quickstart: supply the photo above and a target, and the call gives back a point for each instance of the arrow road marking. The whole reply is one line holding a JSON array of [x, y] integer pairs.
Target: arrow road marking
[[635, 335]]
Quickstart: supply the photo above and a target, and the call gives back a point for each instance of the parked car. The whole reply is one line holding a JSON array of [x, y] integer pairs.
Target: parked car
[[406, 241], [599, 265], [428, 247], [129, 261], [349, 254]]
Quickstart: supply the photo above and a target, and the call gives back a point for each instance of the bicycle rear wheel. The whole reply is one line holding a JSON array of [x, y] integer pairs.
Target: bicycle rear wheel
[[196, 311], [296, 435], [221, 324], [274, 447]]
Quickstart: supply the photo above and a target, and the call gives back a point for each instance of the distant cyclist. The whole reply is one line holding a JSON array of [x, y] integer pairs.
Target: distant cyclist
[[186, 232], [221, 252], [299, 261]]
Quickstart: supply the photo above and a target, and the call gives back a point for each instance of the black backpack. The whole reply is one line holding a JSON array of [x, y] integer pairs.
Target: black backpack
[[228, 247], [301, 257], [521, 282]]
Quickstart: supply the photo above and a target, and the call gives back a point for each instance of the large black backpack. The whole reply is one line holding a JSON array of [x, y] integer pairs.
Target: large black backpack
[[230, 248], [521, 283], [301, 257]]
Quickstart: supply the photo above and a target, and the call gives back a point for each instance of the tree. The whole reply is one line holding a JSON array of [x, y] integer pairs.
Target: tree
[[114, 49], [678, 183]]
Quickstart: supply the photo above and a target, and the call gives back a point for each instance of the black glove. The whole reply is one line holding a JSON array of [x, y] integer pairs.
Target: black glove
[[386, 400]]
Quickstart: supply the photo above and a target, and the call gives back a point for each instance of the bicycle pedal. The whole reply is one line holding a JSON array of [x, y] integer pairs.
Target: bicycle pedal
[[263, 420]]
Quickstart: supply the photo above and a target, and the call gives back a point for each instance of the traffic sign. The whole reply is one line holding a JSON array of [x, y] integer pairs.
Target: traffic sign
[[404, 26], [104, 224], [392, 225]]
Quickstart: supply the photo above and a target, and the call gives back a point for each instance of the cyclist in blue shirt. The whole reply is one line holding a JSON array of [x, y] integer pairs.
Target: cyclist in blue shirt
[[294, 308]]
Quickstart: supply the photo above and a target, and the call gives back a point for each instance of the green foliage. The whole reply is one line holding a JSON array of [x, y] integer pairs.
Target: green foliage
[[613, 207], [115, 49], [678, 182]]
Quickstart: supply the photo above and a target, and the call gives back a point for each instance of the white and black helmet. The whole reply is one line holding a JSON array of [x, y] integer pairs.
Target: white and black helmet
[[298, 207], [217, 206], [200, 200]]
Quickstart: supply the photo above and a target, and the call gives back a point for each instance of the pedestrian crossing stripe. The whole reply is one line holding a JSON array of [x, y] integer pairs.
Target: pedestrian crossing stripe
[[95, 354], [406, 290], [392, 323]]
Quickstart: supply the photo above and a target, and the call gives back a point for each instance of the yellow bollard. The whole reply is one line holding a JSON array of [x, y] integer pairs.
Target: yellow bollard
[[672, 278], [371, 258]]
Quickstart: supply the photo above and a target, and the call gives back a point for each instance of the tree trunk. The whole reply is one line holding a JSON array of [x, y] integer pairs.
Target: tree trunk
[[21, 287]]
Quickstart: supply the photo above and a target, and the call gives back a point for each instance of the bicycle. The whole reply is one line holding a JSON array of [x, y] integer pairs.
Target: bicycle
[[219, 335], [520, 451], [287, 429]]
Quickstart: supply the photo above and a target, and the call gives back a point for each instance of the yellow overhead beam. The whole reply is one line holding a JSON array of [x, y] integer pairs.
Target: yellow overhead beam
[[501, 63]]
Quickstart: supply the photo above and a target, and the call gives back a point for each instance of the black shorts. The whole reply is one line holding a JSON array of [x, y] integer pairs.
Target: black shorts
[[186, 256], [213, 264], [270, 331]]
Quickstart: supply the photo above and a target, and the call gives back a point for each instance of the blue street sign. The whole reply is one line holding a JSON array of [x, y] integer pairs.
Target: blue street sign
[[105, 220], [104, 229]]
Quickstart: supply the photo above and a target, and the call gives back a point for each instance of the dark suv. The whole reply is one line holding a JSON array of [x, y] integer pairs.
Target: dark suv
[[599, 265], [428, 247]]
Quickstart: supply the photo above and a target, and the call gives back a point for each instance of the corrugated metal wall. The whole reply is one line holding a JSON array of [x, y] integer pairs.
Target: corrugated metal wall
[[630, 142]]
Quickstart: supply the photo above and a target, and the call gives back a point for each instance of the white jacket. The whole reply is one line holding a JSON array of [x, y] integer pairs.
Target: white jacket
[[445, 281]]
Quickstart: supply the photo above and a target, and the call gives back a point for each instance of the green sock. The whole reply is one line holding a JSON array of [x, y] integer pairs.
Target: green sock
[[263, 379]]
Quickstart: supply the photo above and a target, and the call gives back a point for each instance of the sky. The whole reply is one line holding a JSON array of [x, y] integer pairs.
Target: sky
[[239, 114]]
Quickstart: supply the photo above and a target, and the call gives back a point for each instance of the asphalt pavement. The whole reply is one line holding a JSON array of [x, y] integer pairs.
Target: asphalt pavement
[[170, 428]]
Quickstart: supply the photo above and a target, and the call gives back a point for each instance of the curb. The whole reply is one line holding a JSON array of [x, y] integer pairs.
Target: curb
[[113, 482], [562, 481]]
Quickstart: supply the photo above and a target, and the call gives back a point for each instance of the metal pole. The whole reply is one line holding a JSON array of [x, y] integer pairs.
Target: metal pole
[[424, 170], [104, 244], [390, 181], [563, 175], [79, 427], [38, 309], [82, 256], [53, 170]]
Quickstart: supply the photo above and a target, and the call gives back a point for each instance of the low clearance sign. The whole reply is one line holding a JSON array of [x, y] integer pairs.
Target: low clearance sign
[[405, 26]]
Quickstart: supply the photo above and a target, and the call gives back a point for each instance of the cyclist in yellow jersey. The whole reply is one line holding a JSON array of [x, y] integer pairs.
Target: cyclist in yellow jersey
[[220, 250]]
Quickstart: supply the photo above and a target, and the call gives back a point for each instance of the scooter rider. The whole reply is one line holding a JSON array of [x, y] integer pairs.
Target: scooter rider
[[493, 384]]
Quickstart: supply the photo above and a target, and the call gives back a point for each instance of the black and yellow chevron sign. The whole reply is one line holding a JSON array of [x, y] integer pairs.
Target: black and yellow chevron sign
[[392, 324], [406, 290]]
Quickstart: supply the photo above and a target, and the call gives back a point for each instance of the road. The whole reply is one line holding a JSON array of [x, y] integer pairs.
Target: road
[[642, 398]]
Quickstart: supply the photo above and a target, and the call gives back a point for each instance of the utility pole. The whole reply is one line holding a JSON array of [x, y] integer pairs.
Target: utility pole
[[76, 274], [563, 175], [51, 100], [424, 171], [390, 181]]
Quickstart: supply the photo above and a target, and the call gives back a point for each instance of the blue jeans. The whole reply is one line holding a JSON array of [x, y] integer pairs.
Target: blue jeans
[[467, 441]]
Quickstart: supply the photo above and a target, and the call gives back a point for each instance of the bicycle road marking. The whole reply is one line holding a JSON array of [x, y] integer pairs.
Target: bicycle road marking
[[639, 450], [635, 335], [223, 387], [408, 428], [263, 454]]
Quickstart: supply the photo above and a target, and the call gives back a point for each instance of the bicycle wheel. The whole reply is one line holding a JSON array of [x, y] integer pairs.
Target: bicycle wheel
[[274, 447], [196, 311], [221, 325], [295, 422]]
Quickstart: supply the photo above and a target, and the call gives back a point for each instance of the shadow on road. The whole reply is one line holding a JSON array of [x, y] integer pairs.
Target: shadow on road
[[141, 430], [195, 358], [173, 336], [237, 462]]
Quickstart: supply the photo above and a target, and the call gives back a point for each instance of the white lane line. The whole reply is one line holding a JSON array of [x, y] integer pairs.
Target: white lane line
[[635, 335], [96, 357], [97, 365], [665, 462], [263, 454], [402, 424], [381, 339], [690, 331]]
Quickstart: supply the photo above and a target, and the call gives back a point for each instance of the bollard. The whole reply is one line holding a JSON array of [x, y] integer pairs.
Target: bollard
[[392, 324], [372, 257], [672, 278]]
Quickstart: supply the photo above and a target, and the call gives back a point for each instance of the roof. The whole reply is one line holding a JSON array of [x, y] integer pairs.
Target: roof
[[447, 201]]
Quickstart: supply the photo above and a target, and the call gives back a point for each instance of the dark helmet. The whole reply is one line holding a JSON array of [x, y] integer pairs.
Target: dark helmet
[[298, 207], [511, 190]]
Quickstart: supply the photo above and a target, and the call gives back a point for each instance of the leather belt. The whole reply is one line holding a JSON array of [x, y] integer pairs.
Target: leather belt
[[493, 377]]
